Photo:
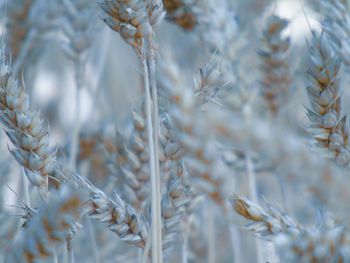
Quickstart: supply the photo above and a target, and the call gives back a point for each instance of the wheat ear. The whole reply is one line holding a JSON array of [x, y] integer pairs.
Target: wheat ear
[[135, 20], [120, 217], [336, 24], [130, 163], [46, 228], [264, 223], [25, 129], [197, 147], [275, 64], [327, 242], [327, 126], [78, 29]]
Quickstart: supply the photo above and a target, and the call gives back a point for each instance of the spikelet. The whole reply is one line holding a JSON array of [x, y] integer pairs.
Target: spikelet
[[133, 19], [25, 129], [264, 223], [329, 242], [46, 229], [171, 151], [275, 64], [337, 26], [327, 126]]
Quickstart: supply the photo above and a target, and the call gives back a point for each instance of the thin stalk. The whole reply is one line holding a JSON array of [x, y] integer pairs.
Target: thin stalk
[[76, 129], [282, 183], [93, 241], [211, 234], [97, 88], [184, 248], [236, 244], [75, 139], [55, 257], [65, 255], [18, 63], [146, 250], [26, 189], [71, 256], [254, 197], [156, 141], [154, 202]]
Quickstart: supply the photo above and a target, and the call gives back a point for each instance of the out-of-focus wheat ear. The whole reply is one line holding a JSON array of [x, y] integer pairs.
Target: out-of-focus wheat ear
[[326, 124], [199, 150], [46, 229], [17, 25], [337, 26], [275, 64], [327, 242], [78, 27], [264, 223], [130, 164], [27, 22], [25, 129], [181, 13]]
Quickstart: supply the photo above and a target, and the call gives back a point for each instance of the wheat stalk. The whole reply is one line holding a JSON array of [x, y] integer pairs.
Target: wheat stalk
[[135, 22]]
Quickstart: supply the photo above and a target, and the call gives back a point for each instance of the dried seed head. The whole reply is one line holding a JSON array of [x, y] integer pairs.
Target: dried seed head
[[134, 20], [275, 67], [326, 124], [26, 131], [265, 223]]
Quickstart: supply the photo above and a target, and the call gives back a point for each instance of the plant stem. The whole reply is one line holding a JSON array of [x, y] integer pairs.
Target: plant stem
[[154, 202], [254, 197], [236, 244], [76, 129], [211, 234], [93, 241], [156, 143], [28, 43], [146, 250], [71, 256]]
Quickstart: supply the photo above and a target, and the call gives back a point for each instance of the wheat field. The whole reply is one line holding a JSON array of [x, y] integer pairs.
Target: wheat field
[[174, 131]]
